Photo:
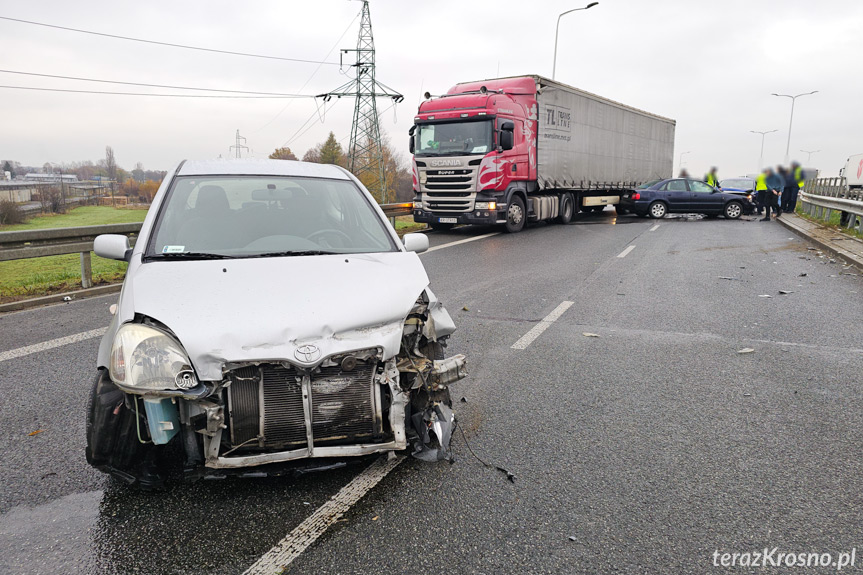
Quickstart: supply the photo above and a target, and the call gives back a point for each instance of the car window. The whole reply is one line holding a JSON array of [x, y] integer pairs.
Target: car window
[[647, 185], [674, 186], [739, 183], [248, 216], [700, 187]]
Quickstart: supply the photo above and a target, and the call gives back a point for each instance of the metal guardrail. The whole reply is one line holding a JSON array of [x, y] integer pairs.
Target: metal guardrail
[[824, 195], [61, 241]]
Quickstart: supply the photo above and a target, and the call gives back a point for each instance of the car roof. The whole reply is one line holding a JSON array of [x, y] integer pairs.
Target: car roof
[[232, 167]]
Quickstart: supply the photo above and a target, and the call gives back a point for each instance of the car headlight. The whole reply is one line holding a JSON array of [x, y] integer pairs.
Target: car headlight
[[147, 359], [485, 205]]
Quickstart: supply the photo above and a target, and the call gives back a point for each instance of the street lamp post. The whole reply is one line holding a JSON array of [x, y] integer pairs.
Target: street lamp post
[[793, 98], [810, 152], [761, 157], [557, 28]]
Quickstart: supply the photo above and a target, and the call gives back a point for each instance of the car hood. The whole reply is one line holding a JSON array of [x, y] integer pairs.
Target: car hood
[[264, 309]]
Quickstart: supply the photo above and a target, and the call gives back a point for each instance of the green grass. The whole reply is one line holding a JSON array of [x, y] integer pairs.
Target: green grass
[[406, 225], [34, 277], [832, 222], [82, 216]]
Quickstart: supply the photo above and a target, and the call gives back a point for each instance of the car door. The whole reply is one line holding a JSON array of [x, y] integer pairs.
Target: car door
[[676, 195], [705, 198]]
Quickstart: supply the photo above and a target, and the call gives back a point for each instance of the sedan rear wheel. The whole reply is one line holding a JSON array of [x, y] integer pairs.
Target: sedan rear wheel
[[657, 210], [733, 210]]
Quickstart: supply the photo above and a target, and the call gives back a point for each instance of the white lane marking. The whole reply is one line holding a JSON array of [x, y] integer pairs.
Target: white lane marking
[[473, 239], [654, 228], [307, 532], [537, 330], [626, 251], [46, 345]]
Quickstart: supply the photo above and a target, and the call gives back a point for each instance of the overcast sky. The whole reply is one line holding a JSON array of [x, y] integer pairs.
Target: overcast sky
[[710, 65]]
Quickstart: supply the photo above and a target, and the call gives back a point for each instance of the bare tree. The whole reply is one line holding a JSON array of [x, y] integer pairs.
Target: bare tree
[[111, 169]]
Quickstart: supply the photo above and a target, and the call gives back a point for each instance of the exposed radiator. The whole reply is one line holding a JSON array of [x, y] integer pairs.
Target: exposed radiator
[[266, 402]]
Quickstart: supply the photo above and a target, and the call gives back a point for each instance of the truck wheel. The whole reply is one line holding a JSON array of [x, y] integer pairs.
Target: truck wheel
[[515, 215], [733, 210], [565, 215], [657, 210], [440, 227]]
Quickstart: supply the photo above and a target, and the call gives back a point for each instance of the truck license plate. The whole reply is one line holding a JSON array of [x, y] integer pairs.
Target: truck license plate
[[447, 220]]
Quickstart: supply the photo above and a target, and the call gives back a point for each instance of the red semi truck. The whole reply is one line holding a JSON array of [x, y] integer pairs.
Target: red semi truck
[[512, 150]]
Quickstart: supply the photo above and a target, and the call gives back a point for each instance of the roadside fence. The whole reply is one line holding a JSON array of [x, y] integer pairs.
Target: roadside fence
[[59, 241], [821, 197]]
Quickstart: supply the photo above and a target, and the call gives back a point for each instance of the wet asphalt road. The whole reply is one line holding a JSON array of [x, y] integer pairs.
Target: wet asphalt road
[[643, 450]]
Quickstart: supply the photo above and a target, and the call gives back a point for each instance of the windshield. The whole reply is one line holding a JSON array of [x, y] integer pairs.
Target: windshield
[[258, 216], [454, 138], [740, 184], [649, 184]]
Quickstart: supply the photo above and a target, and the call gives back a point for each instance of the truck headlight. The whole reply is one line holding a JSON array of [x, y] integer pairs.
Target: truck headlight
[[147, 359], [418, 205], [485, 205]]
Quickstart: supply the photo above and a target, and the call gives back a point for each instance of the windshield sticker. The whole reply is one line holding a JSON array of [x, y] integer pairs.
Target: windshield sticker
[[173, 249]]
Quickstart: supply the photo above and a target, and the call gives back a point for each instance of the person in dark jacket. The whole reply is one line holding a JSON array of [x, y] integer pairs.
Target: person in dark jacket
[[787, 190], [775, 184]]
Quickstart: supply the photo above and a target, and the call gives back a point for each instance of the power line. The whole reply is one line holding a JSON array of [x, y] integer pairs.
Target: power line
[[151, 85], [146, 94], [115, 36]]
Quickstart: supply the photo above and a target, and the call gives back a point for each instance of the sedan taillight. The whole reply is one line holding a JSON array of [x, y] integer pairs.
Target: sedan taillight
[[636, 196]]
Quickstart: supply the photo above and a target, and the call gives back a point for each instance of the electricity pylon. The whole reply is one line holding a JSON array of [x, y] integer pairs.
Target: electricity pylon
[[365, 155]]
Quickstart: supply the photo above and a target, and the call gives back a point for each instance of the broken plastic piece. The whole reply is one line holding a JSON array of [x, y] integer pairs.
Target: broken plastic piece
[[434, 427], [746, 350], [587, 334]]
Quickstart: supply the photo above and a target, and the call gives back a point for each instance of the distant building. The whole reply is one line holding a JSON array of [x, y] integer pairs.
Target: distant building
[[51, 178]]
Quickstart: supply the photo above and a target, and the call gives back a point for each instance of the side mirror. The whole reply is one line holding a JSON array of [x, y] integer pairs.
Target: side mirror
[[411, 145], [113, 247], [506, 137], [416, 242], [411, 141]]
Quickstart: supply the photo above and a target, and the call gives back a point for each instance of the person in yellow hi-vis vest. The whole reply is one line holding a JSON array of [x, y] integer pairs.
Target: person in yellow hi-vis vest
[[761, 191], [711, 178], [797, 176]]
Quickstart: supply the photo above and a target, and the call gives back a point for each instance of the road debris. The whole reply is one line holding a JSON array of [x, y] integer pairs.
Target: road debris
[[573, 538], [746, 350], [509, 475], [465, 308], [785, 291], [803, 275], [726, 278], [32, 433], [588, 334], [67, 298], [747, 395], [765, 295]]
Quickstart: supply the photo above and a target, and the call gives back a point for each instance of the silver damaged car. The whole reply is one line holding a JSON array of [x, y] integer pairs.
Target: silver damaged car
[[271, 321]]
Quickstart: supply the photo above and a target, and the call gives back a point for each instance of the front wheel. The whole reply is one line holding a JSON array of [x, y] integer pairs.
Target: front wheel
[[733, 210], [515, 215], [565, 215], [657, 210]]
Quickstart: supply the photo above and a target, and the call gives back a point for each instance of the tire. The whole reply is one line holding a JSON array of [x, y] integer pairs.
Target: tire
[[733, 210], [565, 209], [621, 211], [438, 227], [657, 210], [515, 215]]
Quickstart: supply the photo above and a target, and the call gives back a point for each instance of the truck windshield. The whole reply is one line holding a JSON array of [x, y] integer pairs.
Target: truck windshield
[[454, 138]]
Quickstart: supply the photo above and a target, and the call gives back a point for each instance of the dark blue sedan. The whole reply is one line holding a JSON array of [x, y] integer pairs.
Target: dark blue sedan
[[684, 195]]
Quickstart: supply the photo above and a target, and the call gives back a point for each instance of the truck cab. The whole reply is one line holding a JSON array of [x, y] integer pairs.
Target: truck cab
[[469, 148]]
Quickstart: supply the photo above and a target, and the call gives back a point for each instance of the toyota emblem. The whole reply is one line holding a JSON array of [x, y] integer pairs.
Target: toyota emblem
[[307, 353]]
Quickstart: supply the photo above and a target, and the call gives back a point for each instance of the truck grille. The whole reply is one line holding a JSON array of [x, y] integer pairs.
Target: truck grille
[[343, 407], [450, 190]]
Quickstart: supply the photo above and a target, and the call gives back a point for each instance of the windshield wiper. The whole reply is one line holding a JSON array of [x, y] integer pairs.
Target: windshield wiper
[[293, 253], [191, 256]]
